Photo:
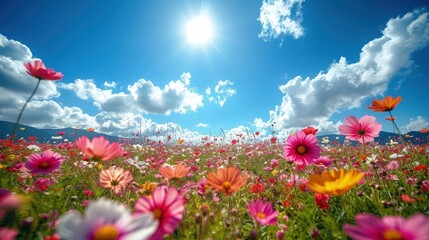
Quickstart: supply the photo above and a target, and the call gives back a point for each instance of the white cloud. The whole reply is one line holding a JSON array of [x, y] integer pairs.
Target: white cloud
[[280, 18], [222, 92], [415, 124], [111, 84], [203, 125], [118, 111], [344, 85], [142, 96]]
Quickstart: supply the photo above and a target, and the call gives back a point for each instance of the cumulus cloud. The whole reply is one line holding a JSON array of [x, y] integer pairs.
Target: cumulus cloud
[[111, 84], [280, 18], [142, 96], [312, 101], [415, 124], [222, 92]]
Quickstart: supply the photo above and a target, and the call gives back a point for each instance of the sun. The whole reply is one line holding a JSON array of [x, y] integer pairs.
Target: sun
[[199, 30]]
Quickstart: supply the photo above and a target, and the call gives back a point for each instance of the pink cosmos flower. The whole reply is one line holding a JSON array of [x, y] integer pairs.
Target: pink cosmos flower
[[106, 219], [99, 148], [44, 163], [390, 227], [362, 130], [302, 149], [166, 205], [8, 233], [38, 70], [115, 178], [262, 212]]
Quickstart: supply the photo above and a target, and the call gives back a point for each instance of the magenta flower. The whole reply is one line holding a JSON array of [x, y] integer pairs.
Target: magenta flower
[[166, 205], [262, 212], [390, 227], [302, 149], [8, 233], [44, 163], [99, 148], [362, 130]]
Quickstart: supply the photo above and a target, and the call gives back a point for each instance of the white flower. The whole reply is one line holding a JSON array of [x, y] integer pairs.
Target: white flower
[[106, 219], [34, 148]]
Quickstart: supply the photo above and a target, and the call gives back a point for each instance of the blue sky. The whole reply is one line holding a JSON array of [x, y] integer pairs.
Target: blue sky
[[286, 64]]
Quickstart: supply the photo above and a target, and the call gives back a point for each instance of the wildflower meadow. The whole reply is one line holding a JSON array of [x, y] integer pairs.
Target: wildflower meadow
[[299, 188]]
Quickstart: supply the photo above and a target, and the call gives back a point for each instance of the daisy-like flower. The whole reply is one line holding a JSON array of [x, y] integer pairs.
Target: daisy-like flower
[[369, 226], [302, 148], [363, 130], [99, 148], [174, 172], [226, 180], [44, 163], [115, 178], [334, 182], [166, 205], [105, 219], [386, 104], [262, 212]]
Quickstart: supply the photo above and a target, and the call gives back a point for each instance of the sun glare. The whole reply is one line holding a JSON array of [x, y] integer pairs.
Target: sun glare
[[199, 30]]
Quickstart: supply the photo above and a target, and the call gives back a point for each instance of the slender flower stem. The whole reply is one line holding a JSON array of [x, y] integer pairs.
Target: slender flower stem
[[397, 129], [22, 110]]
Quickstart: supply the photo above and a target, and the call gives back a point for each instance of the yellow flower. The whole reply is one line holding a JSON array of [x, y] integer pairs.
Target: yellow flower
[[334, 182], [1, 166], [148, 187], [12, 157], [274, 172]]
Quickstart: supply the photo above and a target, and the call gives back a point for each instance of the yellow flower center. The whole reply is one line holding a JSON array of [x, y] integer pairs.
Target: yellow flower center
[[392, 234], [106, 232], [226, 185], [261, 215], [157, 213], [301, 149], [44, 164]]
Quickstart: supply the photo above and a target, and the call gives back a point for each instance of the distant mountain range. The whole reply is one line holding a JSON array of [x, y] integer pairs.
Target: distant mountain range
[[45, 135]]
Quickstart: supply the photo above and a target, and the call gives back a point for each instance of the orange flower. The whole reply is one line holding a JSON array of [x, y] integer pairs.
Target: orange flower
[[334, 182], [90, 129], [174, 172], [226, 180], [386, 104], [424, 130], [180, 141]]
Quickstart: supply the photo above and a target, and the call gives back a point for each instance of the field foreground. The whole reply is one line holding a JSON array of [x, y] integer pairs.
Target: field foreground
[[210, 191]]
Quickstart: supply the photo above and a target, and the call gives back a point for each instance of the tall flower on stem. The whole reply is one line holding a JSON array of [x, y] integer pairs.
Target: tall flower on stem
[[387, 104], [38, 70], [362, 130]]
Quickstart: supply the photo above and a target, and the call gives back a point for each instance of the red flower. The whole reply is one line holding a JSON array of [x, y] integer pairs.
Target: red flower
[[32, 138], [310, 130], [38, 70], [257, 188], [390, 118], [321, 200], [273, 140], [420, 167]]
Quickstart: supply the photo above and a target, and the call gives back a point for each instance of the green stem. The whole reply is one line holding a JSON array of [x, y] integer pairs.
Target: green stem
[[397, 129], [22, 110]]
